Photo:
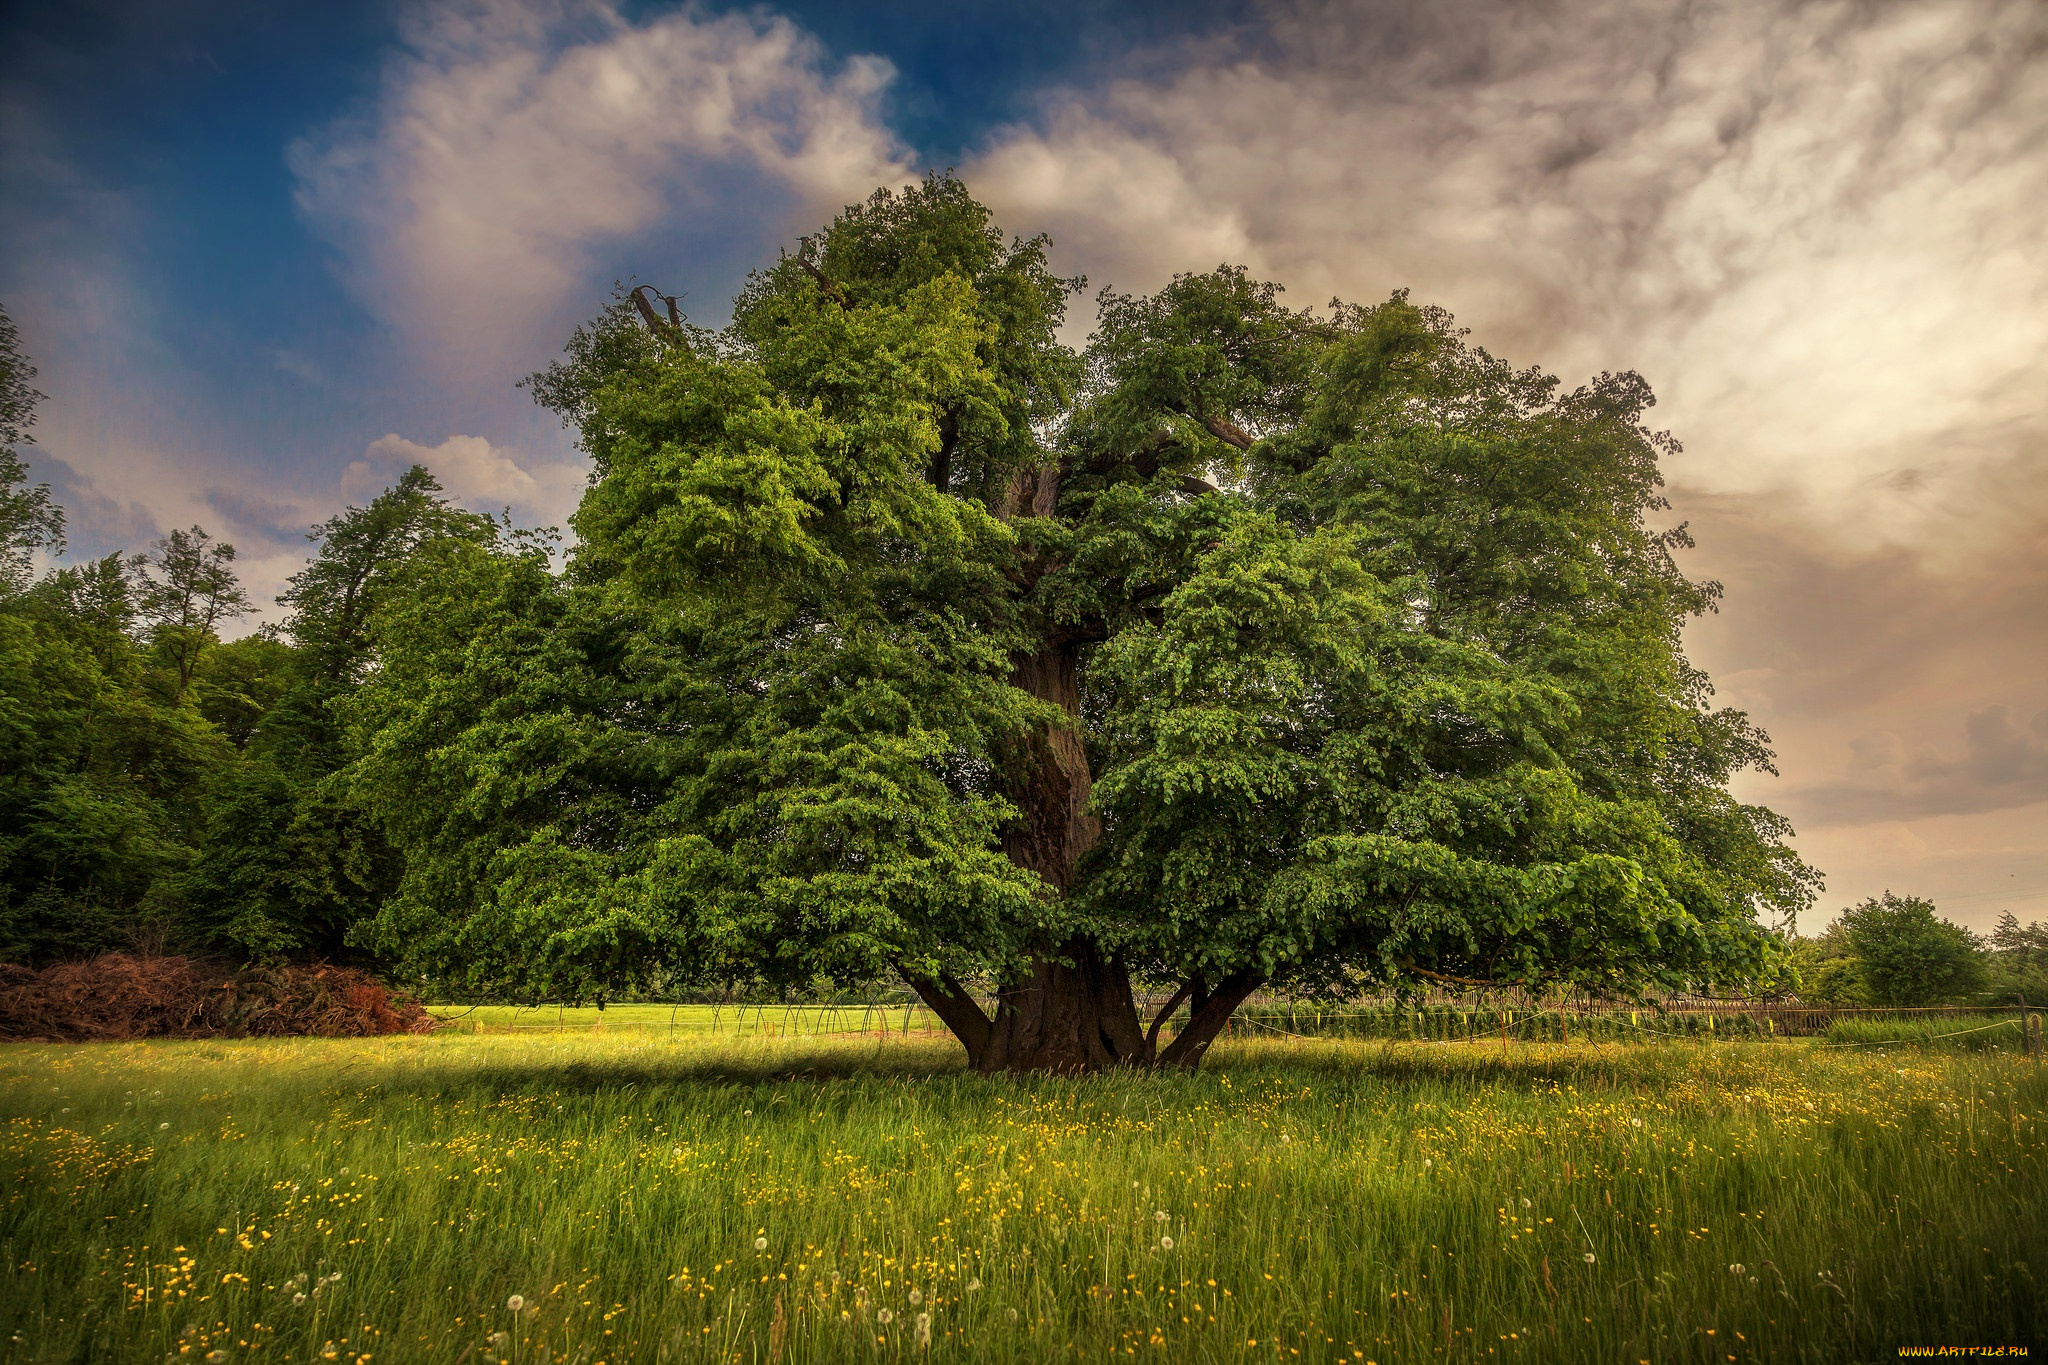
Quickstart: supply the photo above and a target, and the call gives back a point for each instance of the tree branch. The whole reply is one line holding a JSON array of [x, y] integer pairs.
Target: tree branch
[[959, 1011], [826, 285], [1228, 432], [1152, 1034], [1191, 1042], [669, 330], [1408, 966]]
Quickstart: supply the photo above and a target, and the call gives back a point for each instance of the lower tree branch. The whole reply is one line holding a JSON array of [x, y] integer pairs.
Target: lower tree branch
[[1166, 1012], [1188, 1046], [1407, 966], [958, 1010]]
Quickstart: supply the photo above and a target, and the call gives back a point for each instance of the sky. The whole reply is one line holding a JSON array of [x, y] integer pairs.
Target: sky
[[266, 255]]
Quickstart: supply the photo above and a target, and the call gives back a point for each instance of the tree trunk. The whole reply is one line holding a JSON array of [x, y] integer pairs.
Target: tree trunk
[[1075, 1011], [1048, 776]]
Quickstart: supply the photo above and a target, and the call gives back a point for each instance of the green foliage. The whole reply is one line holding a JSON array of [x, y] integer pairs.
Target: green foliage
[[1379, 661], [101, 774], [750, 734], [2017, 966], [1415, 701], [1906, 955], [162, 787], [29, 519]]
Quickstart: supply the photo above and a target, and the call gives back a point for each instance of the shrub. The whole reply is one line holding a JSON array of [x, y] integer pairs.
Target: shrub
[[121, 997]]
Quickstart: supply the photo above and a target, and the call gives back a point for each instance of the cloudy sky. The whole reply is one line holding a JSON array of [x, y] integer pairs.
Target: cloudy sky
[[267, 254]]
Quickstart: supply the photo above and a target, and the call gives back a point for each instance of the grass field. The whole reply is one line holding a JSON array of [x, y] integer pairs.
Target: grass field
[[709, 1197]]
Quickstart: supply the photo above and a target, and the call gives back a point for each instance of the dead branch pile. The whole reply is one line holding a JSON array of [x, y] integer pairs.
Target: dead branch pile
[[120, 997]]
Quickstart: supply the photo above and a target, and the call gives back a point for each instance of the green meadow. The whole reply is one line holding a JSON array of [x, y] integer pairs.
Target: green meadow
[[551, 1190]]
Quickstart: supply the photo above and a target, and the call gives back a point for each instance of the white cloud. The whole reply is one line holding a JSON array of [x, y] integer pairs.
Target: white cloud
[[512, 139], [1815, 227], [472, 471]]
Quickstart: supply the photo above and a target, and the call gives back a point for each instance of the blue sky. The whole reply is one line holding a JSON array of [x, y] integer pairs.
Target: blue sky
[[267, 254]]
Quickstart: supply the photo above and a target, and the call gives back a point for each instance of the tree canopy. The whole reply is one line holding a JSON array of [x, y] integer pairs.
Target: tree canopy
[[1249, 648], [1252, 648]]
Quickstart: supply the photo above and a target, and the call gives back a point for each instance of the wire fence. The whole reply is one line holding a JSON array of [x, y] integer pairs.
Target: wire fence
[[2015, 1026], [1432, 1023]]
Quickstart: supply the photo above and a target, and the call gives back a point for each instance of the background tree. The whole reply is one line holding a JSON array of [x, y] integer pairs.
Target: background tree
[[29, 519], [290, 863], [1256, 649], [161, 787], [2017, 968], [1906, 954], [187, 590]]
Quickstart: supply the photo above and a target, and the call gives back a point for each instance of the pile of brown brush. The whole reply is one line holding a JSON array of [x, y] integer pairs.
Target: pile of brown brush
[[119, 997]]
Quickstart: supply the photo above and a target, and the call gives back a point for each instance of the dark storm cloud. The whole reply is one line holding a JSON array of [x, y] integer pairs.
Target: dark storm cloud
[[2001, 765]]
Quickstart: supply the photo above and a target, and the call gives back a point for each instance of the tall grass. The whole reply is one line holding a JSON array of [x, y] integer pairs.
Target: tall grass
[[1978, 1032], [799, 1199]]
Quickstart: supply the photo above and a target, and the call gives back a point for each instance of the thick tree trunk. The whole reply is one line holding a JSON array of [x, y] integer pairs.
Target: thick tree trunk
[[1075, 1011], [1048, 775]]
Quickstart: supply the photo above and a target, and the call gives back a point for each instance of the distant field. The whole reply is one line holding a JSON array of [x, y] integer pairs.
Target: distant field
[[804, 1198]]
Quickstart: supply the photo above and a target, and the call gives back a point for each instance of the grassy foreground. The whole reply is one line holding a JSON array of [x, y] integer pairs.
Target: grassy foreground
[[807, 1198]]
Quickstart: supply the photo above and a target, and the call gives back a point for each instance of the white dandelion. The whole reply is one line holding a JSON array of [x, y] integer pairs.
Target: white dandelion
[[924, 1329], [916, 1297], [515, 1303], [1589, 1258], [760, 1244], [1738, 1269], [1166, 1244], [1160, 1216], [885, 1317], [973, 1285]]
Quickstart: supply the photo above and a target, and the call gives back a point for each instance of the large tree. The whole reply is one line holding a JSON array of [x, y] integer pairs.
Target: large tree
[[1254, 649]]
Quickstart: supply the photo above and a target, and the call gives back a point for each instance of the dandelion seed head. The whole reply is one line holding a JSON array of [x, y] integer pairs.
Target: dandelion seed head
[[1013, 1314], [161, 1126], [1525, 1201], [760, 1244], [516, 1302], [1160, 1216], [973, 1285], [1738, 1269], [1166, 1244], [299, 1300], [916, 1297], [885, 1316], [1589, 1258]]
